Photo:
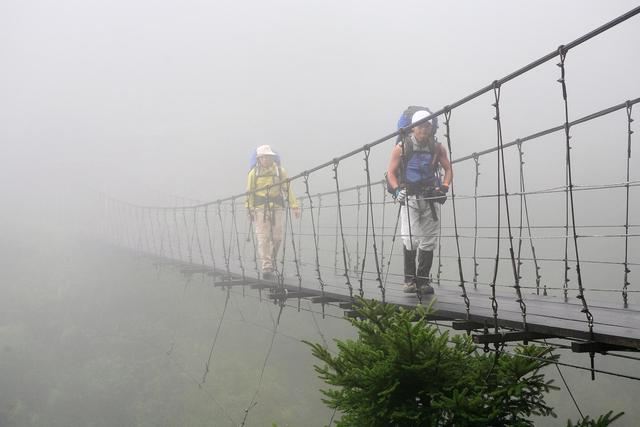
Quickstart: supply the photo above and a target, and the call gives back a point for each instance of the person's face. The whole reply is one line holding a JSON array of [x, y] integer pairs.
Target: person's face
[[265, 161], [422, 132]]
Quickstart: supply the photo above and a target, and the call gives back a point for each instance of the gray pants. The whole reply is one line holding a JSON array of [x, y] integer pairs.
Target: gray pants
[[424, 228]]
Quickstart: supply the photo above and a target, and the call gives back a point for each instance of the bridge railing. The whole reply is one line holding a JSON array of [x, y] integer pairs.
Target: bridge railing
[[510, 226]]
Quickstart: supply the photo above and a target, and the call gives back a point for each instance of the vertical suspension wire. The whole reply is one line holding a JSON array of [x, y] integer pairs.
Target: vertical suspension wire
[[494, 301], [521, 210], [439, 272], [318, 219], [567, 267], [296, 260], [625, 285], [335, 249], [252, 236], [318, 248], [465, 297], [138, 229], [208, 225], [366, 242], [152, 231], [525, 205], [585, 308], [178, 238], [302, 211], [336, 163], [196, 231], [115, 228], [188, 236], [515, 269], [126, 240], [315, 235], [393, 243], [141, 230], [145, 232], [367, 152], [120, 225], [383, 233], [235, 230], [132, 227], [170, 243], [226, 255], [475, 220], [123, 225], [356, 267], [113, 221], [280, 274], [161, 233]]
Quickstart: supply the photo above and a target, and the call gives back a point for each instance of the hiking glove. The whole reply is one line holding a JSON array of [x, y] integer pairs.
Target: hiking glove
[[440, 195]]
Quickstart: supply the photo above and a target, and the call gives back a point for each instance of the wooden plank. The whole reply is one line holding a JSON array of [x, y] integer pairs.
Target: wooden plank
[[464, 325], [326, 299], [596, 347], [233, 282], [194, 270], [262, 285], [508, 337], [289, 294]]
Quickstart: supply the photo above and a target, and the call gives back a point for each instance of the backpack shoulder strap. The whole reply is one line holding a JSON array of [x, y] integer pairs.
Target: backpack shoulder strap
[[406, 146]]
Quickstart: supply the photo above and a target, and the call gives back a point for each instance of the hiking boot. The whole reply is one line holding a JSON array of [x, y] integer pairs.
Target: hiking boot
[[409, 265], [267, 275], [426, 290], [409, 288]]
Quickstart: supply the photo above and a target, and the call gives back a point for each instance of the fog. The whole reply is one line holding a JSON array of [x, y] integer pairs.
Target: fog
[[162, 103]]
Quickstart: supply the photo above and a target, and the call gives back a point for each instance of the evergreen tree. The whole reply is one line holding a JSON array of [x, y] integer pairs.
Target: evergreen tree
[[402, 371]]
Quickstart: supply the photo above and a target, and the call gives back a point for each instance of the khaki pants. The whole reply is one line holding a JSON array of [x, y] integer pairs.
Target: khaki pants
[[269, 235]]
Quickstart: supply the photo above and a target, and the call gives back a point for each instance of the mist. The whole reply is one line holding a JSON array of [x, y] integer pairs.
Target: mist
[[162, 103]]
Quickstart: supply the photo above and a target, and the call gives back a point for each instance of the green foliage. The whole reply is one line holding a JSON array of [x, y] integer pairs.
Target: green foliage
[[602, 421], [402, 371]]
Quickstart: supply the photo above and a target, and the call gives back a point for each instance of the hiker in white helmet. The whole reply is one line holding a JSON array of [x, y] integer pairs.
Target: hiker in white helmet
[[413, 177], [267, 197]]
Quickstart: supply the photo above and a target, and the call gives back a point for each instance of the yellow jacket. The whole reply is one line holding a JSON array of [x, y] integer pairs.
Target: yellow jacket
[[259, 179]]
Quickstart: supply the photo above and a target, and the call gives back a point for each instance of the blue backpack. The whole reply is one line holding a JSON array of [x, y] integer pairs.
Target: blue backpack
[[403, 121], [405, 118]]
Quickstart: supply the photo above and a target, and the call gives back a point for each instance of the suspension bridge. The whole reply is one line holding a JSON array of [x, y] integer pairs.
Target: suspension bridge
[[519, 258]]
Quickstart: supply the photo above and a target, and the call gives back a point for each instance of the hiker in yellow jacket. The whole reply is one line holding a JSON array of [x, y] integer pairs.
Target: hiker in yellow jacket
[[267, 197]]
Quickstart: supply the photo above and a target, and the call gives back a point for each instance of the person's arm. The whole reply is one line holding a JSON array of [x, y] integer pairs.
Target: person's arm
[[250, 179], [446, 166], [394, 166], [291, 197]]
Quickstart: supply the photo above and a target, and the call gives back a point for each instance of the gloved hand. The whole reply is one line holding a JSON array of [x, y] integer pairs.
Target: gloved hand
[[440, 194], [401, 195]]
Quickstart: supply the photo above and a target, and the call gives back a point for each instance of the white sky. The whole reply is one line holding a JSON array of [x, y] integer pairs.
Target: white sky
[[146, 99]]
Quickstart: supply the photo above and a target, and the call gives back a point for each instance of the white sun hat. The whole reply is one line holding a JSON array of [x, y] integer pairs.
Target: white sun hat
[[264, 150], [419, 115]]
